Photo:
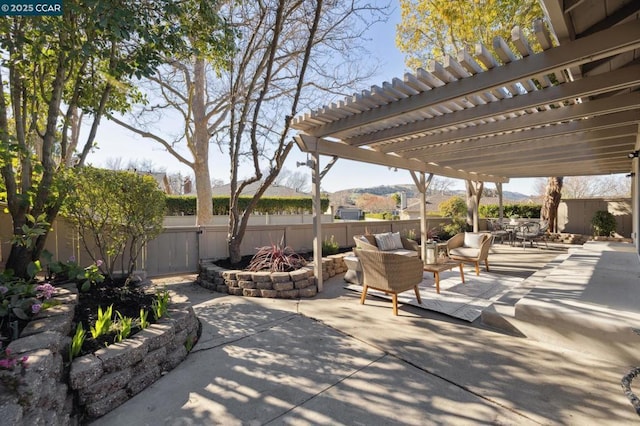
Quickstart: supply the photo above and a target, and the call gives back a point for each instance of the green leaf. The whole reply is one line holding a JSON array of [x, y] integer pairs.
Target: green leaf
[[33, 268], [19, 312]]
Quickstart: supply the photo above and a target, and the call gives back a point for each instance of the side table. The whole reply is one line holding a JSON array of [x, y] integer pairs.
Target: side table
[[444, 265]]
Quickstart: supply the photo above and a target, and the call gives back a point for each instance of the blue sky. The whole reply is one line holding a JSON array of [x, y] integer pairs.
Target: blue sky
[[115, 142]]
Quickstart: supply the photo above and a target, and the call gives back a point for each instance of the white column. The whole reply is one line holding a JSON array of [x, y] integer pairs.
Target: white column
[[317, 219]]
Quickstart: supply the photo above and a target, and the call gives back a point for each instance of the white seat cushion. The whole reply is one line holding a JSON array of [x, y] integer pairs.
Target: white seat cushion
[[404, 252], [467, 252]]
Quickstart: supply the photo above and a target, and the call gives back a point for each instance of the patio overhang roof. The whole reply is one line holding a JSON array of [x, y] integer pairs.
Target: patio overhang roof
[[568, 110]]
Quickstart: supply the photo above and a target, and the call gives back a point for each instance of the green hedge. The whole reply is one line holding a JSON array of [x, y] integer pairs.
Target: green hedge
[[178, 205], [531, 211]]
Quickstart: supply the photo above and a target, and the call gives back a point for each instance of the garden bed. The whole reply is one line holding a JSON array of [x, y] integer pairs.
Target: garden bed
[[286, 285], [52, 391]]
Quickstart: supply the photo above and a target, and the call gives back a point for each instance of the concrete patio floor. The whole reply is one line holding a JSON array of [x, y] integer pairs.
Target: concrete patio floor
[[330, 360]]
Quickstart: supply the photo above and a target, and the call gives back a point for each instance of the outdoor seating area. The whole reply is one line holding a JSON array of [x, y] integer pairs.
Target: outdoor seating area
[[426, 351]]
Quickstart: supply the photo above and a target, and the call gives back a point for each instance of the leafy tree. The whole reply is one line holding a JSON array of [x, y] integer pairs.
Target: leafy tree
[[431, 30], [118, 211], [58, 70], [375, 203], [454, 206], [456, 209]]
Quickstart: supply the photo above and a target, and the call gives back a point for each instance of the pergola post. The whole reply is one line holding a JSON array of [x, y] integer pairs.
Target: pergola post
[[635, 195], [422, 185], [317, 219], [500, 202]]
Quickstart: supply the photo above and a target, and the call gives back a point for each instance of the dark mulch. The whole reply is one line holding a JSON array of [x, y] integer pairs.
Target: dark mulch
[[126, 299]]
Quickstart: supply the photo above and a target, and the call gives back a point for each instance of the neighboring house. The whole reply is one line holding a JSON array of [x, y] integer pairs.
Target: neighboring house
[[348, 213], [161, 179], [272, 191]]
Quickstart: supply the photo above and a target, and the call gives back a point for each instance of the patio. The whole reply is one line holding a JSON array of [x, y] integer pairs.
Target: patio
[[330, 360]]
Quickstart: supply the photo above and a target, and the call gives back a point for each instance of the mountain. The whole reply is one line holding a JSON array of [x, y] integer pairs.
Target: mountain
[[347, 196]]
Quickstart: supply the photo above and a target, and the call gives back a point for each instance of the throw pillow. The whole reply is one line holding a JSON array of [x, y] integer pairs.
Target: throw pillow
[[361, 239], [472, 239], [397, 240], [385, 241]]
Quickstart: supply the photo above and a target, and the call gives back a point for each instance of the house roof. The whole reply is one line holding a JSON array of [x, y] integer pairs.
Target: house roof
[[272, 190], [568, 110]]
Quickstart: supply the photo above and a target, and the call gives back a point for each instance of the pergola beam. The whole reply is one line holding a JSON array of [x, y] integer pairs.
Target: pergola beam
[[309, 143]]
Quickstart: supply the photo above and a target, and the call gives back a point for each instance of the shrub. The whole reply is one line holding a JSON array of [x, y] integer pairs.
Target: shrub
[[186, 205], [511, 210], [118, 210], [276, 258], [330, 246], [456, 209], [603, 223]]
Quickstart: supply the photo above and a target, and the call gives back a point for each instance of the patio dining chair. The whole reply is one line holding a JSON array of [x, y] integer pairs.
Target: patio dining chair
[[498, 231], [532, 232]]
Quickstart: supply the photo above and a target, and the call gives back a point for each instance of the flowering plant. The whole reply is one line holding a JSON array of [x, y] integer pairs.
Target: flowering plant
[[70, 270], [8, 361]]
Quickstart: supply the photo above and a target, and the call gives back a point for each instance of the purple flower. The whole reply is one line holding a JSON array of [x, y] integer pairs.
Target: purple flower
[[6, 363], [72, 258], [35, 308], [99, 263], [3, 289], [46, 290]]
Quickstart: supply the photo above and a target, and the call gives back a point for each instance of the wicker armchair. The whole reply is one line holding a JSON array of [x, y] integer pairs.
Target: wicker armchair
[[457, 250], [391, 273]]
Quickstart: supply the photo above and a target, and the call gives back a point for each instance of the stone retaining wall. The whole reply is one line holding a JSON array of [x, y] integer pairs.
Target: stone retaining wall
[[41, 396], [103, 380], [285, 285], [112, 375]]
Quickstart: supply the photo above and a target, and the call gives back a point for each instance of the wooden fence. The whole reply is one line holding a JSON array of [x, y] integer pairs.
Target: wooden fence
[[179, 248]]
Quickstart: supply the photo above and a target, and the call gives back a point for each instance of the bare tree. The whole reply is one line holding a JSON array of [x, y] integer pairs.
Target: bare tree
[[596, 186], [114, 163], [286, 59], [441, 185], [297, 180]]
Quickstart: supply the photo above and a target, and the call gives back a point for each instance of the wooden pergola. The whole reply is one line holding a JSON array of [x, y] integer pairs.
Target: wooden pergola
[[569, 110]]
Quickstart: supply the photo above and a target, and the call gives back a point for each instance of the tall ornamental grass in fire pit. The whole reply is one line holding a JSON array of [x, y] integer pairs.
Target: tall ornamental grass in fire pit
[[276, 258]]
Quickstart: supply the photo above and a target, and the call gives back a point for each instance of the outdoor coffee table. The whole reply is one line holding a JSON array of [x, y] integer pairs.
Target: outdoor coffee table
[[443, 265]]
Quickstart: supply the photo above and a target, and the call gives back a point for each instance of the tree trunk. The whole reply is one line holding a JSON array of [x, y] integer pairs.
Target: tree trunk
[[235, 255], [551, 201], [204, 209], [474, 194], [18, 260]]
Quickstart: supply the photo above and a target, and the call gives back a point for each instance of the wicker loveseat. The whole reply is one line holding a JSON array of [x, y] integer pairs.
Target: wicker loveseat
[[389, 272], [470, 247]]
